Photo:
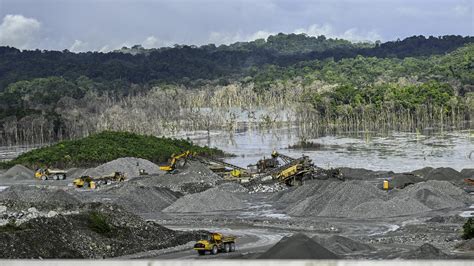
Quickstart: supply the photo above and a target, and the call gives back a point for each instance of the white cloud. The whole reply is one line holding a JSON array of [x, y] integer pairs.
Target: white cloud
[[105, 49], [352, 34], [79, 46], [153, 42], [19, 31], [228, 38]]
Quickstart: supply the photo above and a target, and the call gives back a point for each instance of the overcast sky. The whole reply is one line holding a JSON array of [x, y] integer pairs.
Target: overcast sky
[[104, 25]]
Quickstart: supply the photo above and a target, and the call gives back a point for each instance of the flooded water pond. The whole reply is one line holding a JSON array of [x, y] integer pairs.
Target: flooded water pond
[[396, 151]]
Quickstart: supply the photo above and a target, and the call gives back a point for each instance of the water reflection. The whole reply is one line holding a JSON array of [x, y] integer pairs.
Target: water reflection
[[396, 151]]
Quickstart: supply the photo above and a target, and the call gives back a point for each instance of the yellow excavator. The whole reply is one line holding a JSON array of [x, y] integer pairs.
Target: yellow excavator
[[174, 161]]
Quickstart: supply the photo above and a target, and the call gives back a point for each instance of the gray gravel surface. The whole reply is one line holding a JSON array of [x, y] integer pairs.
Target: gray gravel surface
[[343, 245], [35, 194], [128, 165], [193, 172], [298, 246], [18, 172], [467, 173], [214, 199], [424, 252], [143, 199], [361, 199]]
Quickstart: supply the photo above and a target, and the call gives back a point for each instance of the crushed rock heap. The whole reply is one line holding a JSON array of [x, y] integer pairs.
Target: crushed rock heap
[[17, 172], [361, 199], [298, 246], [224, 197], [93, 231], [128, 165]]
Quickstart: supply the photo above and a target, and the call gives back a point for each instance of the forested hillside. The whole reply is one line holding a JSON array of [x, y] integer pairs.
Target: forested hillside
[[332, 84]]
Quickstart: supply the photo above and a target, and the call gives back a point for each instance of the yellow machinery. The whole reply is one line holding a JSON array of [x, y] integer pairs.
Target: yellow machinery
[[85, 182], [45, 174], [174, 160], [92, 183], [214, 243], [385, 185]]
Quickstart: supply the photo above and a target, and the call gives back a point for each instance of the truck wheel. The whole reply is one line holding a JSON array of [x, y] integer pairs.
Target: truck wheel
[[226, 248], [214, 250], [55, 177], [232, 247], [63, 177], [201, 252], [43, 177]]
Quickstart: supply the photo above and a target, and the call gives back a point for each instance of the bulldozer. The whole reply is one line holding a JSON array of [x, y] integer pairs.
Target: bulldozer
[[94, 182], [215, 243], [46, 174], [174, 161]]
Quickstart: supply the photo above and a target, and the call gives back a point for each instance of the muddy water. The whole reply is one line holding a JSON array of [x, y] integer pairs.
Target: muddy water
[[396, 151]]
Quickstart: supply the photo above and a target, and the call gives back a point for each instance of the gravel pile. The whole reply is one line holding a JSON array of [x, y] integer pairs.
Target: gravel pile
[[343, 245], [232, 187], [437, 194], [75, 172], [403, 180], [193, 174], [335, 199], [467, 173], [36, 194], [128, 165], [467, 245], [214, 199], [18, 172], [311, 188], [424, 252], [363, 174], [364, 200], [143, 199], [423, 171], [298, 246], [95, 231]]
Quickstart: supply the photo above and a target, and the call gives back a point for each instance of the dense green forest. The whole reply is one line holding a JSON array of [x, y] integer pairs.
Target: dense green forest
[[104, 147], [329, 84]]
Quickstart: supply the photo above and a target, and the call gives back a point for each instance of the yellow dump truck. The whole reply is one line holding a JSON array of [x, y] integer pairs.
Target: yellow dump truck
[[214, 243], [46, 174]]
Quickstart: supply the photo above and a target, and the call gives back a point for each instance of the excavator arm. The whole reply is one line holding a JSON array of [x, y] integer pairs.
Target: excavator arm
[[174, 160]]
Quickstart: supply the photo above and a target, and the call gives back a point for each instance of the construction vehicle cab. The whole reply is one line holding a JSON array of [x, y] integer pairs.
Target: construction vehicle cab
[[215, 243], [46, 174]]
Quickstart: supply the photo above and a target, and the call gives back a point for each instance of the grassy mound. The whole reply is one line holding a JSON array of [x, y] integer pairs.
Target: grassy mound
[[104, 147]]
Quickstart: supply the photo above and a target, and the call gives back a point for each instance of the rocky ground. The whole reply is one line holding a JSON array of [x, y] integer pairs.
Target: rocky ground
[[420, 217]]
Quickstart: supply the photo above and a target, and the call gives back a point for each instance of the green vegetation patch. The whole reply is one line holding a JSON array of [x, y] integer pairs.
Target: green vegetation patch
[[107, 146], [468, 229], [11, 227], [98, 223]]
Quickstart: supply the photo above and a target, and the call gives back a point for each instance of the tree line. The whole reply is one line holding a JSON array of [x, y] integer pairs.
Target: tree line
[[356, 92]]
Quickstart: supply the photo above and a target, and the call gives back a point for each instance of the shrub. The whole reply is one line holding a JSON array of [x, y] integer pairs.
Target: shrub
[[98, 223], [468, 229]]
